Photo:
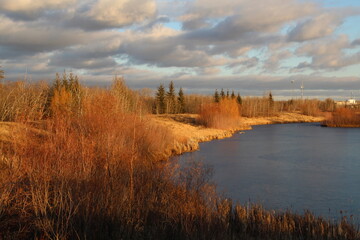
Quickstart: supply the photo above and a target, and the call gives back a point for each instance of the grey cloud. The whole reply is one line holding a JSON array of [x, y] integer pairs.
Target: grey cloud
[[356, 42], [328, 54], [273, 62], [82, 63], [31, 10], [194, 24], [316, 27]]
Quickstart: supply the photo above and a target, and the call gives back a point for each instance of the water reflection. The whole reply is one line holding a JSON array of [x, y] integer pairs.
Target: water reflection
[[291, 166]]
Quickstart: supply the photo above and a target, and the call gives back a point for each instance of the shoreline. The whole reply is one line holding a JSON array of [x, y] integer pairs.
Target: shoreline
[[187, 134]]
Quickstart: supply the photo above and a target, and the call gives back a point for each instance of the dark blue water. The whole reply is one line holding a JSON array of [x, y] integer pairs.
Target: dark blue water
[[289, 166]]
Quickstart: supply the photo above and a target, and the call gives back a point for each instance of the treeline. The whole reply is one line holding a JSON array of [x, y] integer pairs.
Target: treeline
[[168, 101], [90, 170]]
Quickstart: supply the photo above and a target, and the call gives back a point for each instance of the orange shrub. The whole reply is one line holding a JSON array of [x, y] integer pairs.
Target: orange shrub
[[343, 117], [223, 115]]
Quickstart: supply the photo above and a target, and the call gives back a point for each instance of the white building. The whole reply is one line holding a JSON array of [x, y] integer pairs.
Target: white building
[[351, 101]]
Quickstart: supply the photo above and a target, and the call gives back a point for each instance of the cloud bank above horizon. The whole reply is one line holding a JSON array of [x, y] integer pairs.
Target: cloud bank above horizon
[[251, 46]]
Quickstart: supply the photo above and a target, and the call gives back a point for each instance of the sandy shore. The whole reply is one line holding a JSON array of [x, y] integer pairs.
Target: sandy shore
[[188, 134]]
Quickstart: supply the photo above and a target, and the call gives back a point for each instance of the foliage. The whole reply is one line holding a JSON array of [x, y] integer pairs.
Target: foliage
[[216, 96], [65, 95], [168, 102], [224, 115], [222, 94], [181, 101], [238, 99], [171, 99], [343, 117], [160, 100]]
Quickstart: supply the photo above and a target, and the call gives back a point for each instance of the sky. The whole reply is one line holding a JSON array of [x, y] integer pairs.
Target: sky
[[249, 46]]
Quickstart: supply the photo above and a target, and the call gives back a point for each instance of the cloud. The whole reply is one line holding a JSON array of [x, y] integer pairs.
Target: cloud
[[328, 54], [187, 40], [31, 10], [317, 27], [119, 13], [273, 62], [257, 15]]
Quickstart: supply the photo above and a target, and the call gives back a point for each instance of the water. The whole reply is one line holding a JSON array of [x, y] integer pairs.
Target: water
[[289, 166]]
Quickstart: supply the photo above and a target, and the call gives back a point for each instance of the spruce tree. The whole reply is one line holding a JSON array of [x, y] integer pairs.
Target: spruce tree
[[170, 99], [271, 100], [216, 96], [232, 95], [160, 99], [227, 94], [222, 94], [181, 101], [238, 99]]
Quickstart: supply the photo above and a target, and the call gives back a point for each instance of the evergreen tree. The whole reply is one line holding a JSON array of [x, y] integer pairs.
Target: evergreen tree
[[222, 94], [170, 99], [238, 99], [160, 100], [216, 96], [227, 94], [181, 101], [271, 100], [232, 95]]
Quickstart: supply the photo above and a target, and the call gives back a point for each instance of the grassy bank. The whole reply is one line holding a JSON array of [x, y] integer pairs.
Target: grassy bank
[[85, 164], [188, 132]]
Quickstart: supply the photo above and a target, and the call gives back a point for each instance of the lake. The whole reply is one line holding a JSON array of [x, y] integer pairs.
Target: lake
[[289, 166]]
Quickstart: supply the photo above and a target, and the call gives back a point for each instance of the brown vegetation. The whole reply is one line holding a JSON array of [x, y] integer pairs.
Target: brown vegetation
[[224, 114], [92, 172], [343, 117]]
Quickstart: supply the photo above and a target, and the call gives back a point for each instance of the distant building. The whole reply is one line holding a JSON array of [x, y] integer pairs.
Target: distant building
[[340, 103], [351, 101]]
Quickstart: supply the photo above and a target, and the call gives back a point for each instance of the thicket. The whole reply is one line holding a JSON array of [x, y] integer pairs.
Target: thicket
[[93, 172], [21, 101], [343, 117], [224, 114]]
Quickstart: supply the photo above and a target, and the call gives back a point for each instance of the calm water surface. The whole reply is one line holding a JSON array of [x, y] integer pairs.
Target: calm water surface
[[289, 166]]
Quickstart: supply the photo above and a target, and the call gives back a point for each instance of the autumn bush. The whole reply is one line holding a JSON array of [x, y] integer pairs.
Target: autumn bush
[[343, 117], [223, 115]]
